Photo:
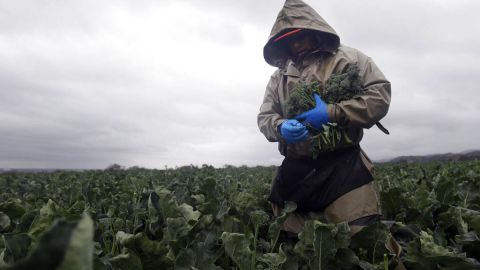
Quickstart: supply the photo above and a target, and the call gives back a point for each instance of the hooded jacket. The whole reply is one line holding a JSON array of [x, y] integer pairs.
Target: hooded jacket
[[362, 111]]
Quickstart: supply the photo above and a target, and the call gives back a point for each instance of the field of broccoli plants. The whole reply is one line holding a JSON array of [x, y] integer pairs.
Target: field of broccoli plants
[[206, 218]]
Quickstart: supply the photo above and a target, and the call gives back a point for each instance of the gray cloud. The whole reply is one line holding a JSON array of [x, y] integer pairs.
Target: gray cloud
[[86, 84]]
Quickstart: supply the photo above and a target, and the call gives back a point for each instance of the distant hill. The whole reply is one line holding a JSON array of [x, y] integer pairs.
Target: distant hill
[[467, 155], [463, 156]]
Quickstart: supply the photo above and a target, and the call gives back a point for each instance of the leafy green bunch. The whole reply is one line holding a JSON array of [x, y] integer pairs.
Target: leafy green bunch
[[339, 87], [343, 86]]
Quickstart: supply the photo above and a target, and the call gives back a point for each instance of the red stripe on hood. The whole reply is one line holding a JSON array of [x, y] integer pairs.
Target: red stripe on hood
[[287, 34]]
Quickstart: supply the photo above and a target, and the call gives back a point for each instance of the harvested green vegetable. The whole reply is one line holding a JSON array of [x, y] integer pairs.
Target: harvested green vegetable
[[339, 87]]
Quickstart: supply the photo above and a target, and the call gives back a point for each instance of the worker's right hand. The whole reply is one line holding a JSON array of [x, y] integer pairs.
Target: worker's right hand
[[293, 131]]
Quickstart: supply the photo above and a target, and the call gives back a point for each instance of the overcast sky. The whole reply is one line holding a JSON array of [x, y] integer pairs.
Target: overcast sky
[[85, 84]]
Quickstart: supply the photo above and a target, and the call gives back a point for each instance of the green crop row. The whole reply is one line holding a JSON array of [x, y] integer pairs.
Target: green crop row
[[206, 218]]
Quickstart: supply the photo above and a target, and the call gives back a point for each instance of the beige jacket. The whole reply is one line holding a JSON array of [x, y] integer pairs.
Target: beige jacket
[[362, 111]]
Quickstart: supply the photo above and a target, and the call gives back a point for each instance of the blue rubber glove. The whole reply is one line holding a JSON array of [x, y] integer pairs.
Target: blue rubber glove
[[293, 131], [316, 117]]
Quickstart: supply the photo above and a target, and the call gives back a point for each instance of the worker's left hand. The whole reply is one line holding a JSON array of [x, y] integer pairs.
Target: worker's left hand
[[316, 117]]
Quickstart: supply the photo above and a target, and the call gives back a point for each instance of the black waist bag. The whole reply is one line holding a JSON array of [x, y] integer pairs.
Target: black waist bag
[[314, 184]]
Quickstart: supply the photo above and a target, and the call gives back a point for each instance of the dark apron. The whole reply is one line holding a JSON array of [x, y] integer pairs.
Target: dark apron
[[315, 183]]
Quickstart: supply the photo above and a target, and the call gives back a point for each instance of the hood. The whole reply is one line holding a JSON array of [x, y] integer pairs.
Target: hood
[[297, 14]]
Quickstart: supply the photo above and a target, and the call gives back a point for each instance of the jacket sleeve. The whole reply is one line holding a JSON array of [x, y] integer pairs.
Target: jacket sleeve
[[364, 110], [270, 116]]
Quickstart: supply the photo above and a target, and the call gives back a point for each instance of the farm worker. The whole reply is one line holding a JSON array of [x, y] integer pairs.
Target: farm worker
[[337, 183]]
